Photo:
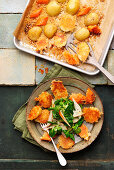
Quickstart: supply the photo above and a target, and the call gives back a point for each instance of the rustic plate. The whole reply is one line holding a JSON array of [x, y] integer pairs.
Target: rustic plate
[[72, 85]]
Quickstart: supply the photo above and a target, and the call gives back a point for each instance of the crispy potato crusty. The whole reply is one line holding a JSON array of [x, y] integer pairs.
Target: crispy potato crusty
[[65, 143], [42, 44], [58, 89], [35, 112], [60, 40], [90, 97], [91, 114], [79, 98], [83, 51], [71, 58], [94, 29], [84, 132], [43, 117], [45, 137], [67, 22], [45, 99]]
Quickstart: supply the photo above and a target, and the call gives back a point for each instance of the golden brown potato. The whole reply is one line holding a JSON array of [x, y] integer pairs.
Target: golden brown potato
[[45, 137], [35, 112], [91, 19], [83, 51], [60, 39], [71, 58], [53, 8], [73, 6], [42, 43], [61, 1], [82, 34], [34, 33], [67, 22], [65, 143], [90, 96], [84, 132], [45, 99], [78, 97], [58, 89], [43, 117], [91, 114], [50, 30]]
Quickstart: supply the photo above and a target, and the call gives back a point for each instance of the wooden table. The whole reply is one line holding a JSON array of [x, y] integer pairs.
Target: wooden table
[[18, 68]]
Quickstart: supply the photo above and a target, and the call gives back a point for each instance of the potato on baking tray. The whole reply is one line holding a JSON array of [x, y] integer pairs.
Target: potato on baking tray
[[83, 51], [42, 44], [60, 39], [71, 58], [67, 22], [48, 17]]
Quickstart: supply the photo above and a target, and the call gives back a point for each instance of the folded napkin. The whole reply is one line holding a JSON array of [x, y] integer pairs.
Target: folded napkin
[[19, 120]]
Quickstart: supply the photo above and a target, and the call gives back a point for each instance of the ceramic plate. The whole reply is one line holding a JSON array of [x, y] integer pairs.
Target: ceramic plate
[[72, 85]]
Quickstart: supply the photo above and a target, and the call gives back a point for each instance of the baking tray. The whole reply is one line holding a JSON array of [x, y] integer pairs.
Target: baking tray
[[105, 45]]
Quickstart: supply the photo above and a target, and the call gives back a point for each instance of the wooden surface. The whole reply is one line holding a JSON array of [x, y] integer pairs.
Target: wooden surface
[[10, 14], [18, 154]]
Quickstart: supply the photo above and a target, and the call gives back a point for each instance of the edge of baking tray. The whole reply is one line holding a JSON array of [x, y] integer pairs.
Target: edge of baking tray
[[30, 51]]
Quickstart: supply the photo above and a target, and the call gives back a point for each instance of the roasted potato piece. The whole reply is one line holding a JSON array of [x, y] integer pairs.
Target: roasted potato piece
[[94, 29], [42, 44], [65, 143], [53, 8], [83, 51], [34, 33], [36, 13], [42, 1], [90, 97], [45, 137], [45, 99], [65, 19], [91, 114], [35, 112], [83, 11], [43, 117], [82, 34], [91, 19], [42, 21], [73, 6], [61, 1], [84, 132], [78, 97], [60, 40], [50, 30], [58, 89], [71, 58]]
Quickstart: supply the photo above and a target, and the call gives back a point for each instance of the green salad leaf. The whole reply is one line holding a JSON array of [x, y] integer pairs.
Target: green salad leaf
[[69, 134], [56, 130], [66, 106], [76, 126]]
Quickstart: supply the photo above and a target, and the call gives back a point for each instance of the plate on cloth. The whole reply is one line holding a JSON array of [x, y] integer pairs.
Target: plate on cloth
[[72, 85]]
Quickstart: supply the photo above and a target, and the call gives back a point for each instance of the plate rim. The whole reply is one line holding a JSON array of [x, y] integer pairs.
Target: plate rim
[[64, 150]]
